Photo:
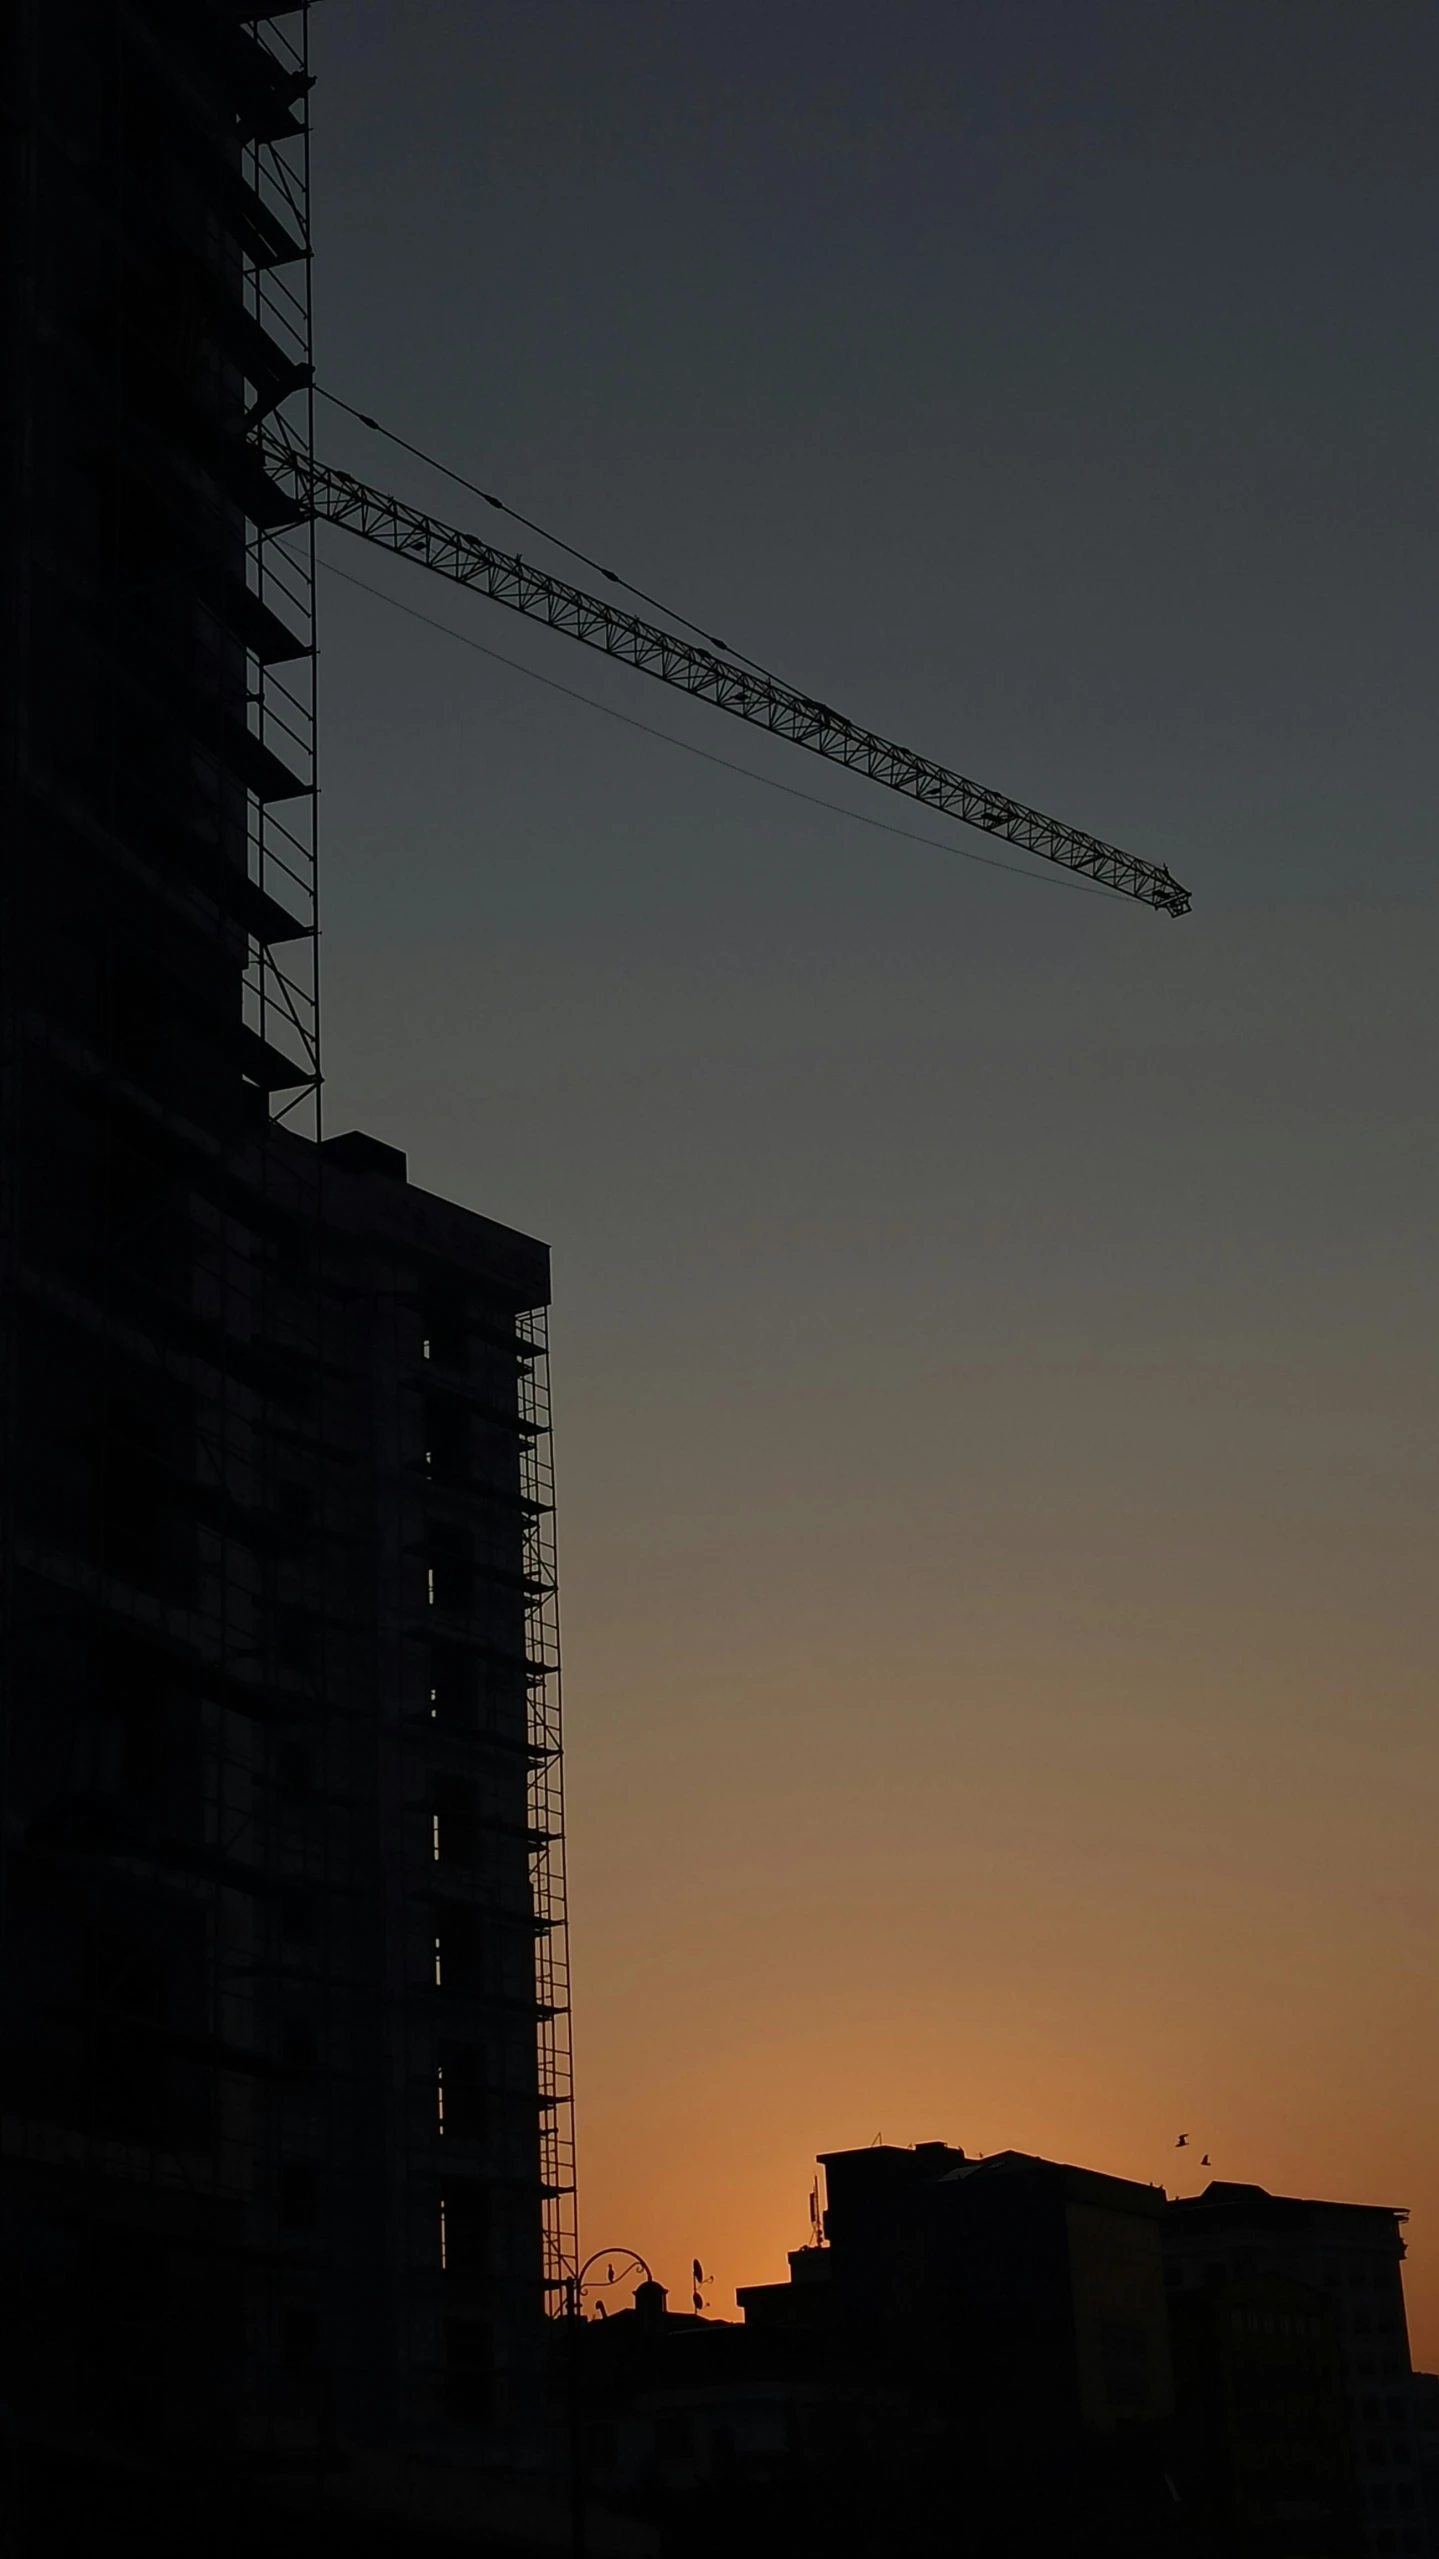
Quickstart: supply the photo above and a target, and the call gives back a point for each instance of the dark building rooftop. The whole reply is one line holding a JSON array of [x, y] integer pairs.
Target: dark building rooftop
[[1224, 2206]]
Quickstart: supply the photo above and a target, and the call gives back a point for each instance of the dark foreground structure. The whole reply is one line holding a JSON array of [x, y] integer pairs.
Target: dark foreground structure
[[285, 2143]]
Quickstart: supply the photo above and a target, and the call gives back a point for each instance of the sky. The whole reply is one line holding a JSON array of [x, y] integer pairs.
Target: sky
[[993, 1324]]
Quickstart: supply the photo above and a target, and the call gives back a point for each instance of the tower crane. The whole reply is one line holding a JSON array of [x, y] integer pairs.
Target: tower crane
[[318, 490]]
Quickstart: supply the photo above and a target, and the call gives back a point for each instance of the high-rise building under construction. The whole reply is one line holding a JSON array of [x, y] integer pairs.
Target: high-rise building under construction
[[286, 2138]]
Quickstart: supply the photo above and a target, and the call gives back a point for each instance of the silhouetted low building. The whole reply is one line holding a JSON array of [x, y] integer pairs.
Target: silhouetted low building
[[712, 2428], [1334, 2264], [1018, 2355], [1018, 2282], [977, 2343]]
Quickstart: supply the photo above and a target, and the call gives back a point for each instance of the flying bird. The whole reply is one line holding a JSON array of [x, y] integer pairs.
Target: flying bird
[[1183, 2142], [1204, 2162]]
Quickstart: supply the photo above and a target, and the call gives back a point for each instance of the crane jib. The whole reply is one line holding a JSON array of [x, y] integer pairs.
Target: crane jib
[[763, 700]]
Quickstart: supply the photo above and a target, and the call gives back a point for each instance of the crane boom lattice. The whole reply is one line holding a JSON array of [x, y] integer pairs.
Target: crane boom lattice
[[319, 490]]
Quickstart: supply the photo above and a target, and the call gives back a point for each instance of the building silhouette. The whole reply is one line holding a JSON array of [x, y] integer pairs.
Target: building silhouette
[[1237, 2247], [976, 2349], [286, 2147], [1012, 2354]]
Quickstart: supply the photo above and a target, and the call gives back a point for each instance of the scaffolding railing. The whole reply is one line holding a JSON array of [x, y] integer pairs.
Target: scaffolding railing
[[547, 1811], [282, 991]]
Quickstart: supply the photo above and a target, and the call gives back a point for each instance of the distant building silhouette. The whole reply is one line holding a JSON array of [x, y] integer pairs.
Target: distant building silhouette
[[981, 2342], [1343, 2263], [1018, 2355]]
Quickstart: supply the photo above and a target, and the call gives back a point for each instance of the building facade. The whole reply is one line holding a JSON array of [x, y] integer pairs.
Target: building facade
[[1348, 2259], [285, 2139]]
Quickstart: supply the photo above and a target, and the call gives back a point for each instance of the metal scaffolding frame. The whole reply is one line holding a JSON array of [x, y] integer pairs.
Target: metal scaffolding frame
[[547, 1812], [282, 982]]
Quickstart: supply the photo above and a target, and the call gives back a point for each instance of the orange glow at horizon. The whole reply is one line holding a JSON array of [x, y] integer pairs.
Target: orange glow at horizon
[[718, 2163], [1044, 1917], [683, 2175]]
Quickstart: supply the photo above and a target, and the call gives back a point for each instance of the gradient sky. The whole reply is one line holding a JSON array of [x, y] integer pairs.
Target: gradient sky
[[994, 1325]]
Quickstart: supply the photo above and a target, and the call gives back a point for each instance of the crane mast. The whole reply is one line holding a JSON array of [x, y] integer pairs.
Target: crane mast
[[318, 490]]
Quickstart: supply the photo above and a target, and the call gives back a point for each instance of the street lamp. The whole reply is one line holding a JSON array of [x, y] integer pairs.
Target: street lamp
[[619, 2265]]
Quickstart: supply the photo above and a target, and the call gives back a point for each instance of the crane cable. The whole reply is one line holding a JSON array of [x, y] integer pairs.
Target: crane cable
[[742, 688], [835, 808], [433, 463]]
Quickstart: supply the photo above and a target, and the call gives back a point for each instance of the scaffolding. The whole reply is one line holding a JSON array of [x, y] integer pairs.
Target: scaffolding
[[282, 980], [547, 1812]]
